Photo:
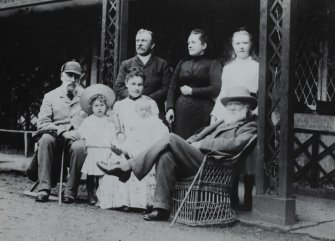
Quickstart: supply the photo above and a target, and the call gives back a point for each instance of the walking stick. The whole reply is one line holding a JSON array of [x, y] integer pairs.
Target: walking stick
[[189, 190], [61, 177]]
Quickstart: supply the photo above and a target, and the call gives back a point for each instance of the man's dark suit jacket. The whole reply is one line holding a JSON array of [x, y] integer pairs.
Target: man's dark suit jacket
[[158, 75], [228, 140]]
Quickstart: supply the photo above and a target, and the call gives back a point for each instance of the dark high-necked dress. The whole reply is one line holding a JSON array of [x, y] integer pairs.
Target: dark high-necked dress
[[192, 112]]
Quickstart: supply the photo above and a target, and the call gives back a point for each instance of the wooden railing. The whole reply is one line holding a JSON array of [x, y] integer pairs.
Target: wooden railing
[[314, 150], [25, 138], [314, 157]]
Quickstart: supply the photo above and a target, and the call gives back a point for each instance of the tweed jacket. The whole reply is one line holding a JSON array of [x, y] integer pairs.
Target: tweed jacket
[[225, 140], [59, 113], [157, 73]]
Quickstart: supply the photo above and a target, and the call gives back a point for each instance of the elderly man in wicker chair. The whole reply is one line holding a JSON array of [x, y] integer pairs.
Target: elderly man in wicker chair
[[177, 159]]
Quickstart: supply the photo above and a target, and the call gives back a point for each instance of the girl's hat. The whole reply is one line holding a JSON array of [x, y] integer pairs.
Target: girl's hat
[[239, 93], [93, 90]]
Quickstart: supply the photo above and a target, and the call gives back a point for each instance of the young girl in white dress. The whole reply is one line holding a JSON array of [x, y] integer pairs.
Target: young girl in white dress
[[99, 133], [142, 127]]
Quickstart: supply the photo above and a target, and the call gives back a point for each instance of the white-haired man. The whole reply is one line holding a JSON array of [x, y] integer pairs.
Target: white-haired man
[[176, 158], [59, 115]]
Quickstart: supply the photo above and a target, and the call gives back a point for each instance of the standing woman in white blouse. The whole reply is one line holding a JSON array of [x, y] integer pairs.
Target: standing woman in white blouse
[[241, 70]]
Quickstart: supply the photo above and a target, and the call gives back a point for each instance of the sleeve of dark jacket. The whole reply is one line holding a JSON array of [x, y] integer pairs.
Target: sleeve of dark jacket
[[164, 69], [172, 91], [233, 143], [213, 90], [120, 85]]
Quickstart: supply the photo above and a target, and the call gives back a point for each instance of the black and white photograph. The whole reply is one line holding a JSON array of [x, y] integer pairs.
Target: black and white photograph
[[167, 120]]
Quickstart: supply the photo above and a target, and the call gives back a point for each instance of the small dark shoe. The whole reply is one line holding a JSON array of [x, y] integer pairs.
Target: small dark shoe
[[68, 199], [42, 197], [157, 215], [115, 170], [125, 209], [92, 202]]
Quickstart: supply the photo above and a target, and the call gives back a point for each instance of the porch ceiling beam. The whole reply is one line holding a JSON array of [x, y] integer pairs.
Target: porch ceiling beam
[[40, 6]]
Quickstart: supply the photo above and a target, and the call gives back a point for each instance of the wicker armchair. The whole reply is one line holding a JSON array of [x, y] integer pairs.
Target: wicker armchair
[[206, 200]]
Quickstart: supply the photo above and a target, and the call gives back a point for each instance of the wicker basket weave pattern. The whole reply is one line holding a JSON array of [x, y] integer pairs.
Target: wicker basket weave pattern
[[208, 202]]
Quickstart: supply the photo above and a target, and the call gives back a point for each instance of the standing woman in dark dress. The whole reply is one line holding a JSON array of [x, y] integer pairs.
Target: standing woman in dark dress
[[193, 88]]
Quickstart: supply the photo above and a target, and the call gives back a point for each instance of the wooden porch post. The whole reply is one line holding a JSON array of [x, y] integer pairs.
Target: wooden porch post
[[124, 30], [102, 41], [113, 22], [273, 201]]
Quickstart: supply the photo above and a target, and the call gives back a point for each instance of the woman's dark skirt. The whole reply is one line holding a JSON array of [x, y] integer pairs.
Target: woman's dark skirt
[[191, 114]]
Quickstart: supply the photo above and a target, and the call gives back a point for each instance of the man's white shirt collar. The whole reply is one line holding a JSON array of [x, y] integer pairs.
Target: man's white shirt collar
[[144, 59]]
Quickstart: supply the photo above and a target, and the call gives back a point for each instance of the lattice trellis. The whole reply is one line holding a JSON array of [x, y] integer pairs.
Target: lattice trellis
[[307, 71], [312, 153], [27, 122], [28, 119], [272, 115], [331, 69], [110, 40], [315, 74], [331, 85]]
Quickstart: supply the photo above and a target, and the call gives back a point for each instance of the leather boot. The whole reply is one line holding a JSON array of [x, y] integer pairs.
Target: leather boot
[[249, 181], [234, 192], [90, 189]]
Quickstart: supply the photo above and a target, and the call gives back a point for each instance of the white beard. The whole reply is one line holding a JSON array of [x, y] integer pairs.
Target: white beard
[[231, 118]]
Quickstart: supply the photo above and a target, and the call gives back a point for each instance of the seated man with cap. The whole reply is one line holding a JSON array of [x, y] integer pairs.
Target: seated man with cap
[[60, 114], [176, 158]]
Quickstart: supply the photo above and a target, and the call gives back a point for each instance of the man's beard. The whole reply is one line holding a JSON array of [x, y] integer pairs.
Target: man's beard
[[71, 88], [241, 115]]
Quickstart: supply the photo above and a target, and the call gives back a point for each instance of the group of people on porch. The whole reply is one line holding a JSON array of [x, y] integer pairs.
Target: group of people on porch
[[133, 141]]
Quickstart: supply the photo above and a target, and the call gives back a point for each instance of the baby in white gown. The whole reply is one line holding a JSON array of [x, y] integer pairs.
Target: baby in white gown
[[143, 129]]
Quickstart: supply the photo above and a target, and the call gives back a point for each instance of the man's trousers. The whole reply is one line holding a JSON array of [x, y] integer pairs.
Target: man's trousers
[[49, 160], [175, 159]]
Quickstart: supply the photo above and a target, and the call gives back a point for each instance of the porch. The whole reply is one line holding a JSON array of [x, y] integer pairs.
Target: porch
[[296, 58]]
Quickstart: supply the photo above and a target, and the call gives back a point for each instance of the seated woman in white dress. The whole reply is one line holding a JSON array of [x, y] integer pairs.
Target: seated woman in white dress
[[241, 70], [142, 127]]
